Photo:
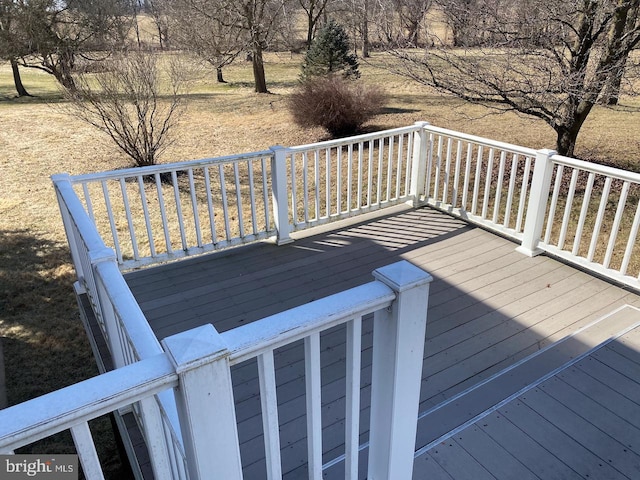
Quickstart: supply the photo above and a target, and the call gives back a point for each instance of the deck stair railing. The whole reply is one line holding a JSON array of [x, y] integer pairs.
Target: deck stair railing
[[197, 364]]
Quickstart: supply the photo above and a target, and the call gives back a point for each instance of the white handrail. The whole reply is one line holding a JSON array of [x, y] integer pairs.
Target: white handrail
[[62, 409], [167, 167], [481, 140], [284, 328], [482, 181], [582, 225], [354, 140], [600, 169], [202, 357]]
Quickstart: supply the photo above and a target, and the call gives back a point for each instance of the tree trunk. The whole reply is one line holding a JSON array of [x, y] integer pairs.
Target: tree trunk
[[65, 79], [568, 131], [309, 30], [258, 70], [566, 142], [219, 76], [365, 38], [365, 31], [22, 92], [611, 92]]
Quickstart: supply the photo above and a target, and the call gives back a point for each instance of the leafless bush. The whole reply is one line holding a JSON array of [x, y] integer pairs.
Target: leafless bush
[[132, 102], [339, 105]]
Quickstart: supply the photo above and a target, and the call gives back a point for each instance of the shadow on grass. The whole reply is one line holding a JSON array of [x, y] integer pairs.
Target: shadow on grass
[[9, 97], [396, 110], [44, 342]]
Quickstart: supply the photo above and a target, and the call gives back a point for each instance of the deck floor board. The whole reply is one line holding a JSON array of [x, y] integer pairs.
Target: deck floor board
[[568, 423], [489, 307]]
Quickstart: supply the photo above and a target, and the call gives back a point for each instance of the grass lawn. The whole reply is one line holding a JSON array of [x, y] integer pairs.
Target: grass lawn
[[44, 343]]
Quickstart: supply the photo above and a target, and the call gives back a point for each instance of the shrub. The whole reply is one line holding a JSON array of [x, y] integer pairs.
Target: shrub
[[330, 53], [340, 106]]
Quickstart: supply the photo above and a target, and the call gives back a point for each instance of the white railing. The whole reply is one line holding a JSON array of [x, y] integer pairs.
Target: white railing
[[592, 217], [131, 340], [344, 178], [480, 180], [203, 357], [158, 213], [71, 408], [197, 364], [128, 334], [585, 213]]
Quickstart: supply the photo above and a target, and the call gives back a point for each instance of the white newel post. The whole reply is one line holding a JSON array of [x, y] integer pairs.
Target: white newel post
[[537, 206], [280, 194], [206, 409], [398, 348], [419, 163]]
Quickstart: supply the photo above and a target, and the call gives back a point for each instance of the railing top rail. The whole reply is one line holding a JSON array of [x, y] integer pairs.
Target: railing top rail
[[484, 141], [168, 167], [356, 139], [597, 168], [54, 412], [139, 331], [283, 328], [86, 227]]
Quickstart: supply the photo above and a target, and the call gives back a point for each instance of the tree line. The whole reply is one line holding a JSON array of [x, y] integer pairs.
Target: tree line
[[550, 59]]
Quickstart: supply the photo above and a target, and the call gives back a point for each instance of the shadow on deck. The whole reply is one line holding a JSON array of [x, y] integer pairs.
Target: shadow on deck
[[489, 307]]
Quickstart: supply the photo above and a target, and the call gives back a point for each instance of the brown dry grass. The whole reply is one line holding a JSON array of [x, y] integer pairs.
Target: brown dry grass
[[45, 346]]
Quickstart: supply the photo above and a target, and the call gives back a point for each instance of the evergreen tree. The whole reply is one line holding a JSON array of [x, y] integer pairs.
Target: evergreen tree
[[329, 54]]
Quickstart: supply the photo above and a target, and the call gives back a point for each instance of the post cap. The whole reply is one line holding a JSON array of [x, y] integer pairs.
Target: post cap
[[402, 275], [195, 347]]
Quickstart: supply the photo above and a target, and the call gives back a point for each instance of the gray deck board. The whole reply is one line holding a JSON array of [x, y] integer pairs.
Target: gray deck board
[[489, 308], [569, 424], [495, 459]]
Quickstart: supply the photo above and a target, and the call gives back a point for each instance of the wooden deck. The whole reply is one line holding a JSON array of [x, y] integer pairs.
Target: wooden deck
[[583, 421], [489, 307]]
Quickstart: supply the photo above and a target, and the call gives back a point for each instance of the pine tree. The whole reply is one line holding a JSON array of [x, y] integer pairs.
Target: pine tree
[[329, 54]]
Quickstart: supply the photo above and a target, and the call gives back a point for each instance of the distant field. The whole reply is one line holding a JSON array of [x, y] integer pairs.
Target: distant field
[[44, 343]]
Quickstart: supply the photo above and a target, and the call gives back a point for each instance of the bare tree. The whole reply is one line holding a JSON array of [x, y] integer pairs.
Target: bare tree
[[401, 21], [58, 33], [12, 42], [204, 28], [314, 11], [260, 19], [556, 72], [230, 26], [154, 9], [127, 102], [355, 15]]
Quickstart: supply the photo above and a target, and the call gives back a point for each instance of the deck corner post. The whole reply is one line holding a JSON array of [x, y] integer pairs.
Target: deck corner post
[[536, 208], [419, 163], [398, 348], [279, 194], [204, 398]]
